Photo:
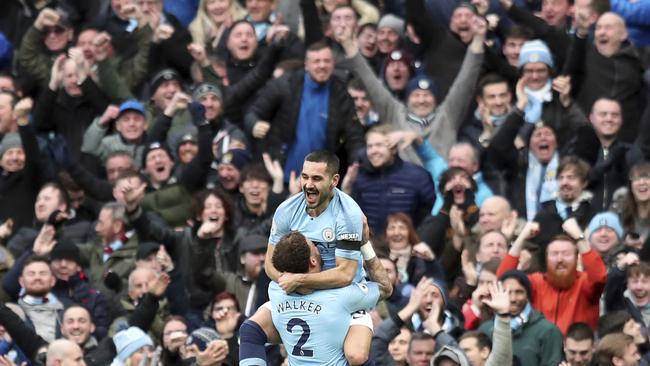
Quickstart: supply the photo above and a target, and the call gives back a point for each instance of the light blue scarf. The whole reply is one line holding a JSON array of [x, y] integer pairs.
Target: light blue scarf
[[518, 321], [536, 99], [540, 183]]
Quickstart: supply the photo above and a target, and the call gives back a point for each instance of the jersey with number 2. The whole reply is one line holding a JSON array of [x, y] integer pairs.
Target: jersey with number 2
[[313, 327]]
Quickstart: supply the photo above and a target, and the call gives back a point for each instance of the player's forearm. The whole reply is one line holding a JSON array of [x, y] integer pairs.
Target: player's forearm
[[269, 268], [339, 276], [378, 274]]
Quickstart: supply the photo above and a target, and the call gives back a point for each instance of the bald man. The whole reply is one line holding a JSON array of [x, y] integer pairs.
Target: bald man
[[494, 214], [609, 67], [63, 352]]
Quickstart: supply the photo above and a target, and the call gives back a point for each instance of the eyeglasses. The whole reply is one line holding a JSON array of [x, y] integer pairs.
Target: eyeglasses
[[637, 178], [57, 29]]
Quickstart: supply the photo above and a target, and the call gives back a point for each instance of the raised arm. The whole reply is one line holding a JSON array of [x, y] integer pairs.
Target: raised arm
[[382, 100], [512, 259], [456, 102], [311, 21], [429, 32]]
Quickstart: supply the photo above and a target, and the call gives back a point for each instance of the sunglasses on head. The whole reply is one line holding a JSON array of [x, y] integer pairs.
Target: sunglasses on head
[[57, 29]]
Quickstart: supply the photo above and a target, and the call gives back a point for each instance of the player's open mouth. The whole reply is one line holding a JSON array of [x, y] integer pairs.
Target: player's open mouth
[[311, 196]]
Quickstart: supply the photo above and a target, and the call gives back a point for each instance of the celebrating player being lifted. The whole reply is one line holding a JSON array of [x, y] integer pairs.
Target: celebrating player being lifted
[[334, 223]]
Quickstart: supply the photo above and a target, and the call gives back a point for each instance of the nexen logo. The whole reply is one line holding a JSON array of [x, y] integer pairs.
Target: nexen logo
[[350, 237]]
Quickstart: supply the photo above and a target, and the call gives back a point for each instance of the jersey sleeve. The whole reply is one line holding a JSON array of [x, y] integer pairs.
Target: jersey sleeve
[[280, 225], [361, 296], [349, 228]]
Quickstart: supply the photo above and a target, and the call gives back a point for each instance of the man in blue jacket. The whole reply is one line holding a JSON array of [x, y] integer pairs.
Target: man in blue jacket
[[387, 184]]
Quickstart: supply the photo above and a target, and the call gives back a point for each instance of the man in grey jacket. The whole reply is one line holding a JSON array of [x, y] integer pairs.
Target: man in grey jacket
[[41, 307], [438, 122]]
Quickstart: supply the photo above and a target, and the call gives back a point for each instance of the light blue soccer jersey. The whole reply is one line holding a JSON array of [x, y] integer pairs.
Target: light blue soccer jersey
[[313, 327], [342, 220]]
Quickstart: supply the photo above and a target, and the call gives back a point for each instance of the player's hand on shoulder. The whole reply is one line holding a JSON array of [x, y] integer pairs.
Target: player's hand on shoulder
[[289, 282]]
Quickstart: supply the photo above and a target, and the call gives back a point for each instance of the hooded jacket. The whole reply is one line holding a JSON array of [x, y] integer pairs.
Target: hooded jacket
[[537, 343]]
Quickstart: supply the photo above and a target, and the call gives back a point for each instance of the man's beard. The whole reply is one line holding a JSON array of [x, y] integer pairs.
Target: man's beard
[[37, 293], [562, 280]]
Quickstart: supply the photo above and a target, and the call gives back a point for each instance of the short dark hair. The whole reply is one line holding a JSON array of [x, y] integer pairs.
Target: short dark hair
[[419, 336], [367, 25], [317, 46], [63, 194], [256, 171], [639, 269], [579, 166], [77, 306], [580, 332], [517, 31], [291, 253], [613, 322], [35, 258], [482, 340], [323, 156], [356, 84], [489, 79]]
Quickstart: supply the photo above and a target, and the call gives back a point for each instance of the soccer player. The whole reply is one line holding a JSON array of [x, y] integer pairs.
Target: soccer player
[[334, 223], [311, 326]]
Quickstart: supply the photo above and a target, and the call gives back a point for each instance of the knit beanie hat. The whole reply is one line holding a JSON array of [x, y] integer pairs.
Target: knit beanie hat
[[10, 141], [393, 22], [202, 337], [155, 146], [535, 51], [205, 89], [65, 249], [443, 290], [237, 157], [606, 219], [162, 76], [128, 341], [420, 82], [522, 278]]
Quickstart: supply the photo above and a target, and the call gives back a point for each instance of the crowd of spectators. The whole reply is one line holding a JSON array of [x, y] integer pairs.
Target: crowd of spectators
[[500, 150]]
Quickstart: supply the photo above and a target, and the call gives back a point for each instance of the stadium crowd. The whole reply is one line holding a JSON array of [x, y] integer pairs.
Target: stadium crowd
[[499, 149]]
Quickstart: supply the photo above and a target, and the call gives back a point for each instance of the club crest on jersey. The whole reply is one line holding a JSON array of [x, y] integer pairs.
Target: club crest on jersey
[[328, 234]]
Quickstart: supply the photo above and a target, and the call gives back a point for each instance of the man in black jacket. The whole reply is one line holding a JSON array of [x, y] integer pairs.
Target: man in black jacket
[[21, 176], [615, 157], [306, 111], [609, 68]]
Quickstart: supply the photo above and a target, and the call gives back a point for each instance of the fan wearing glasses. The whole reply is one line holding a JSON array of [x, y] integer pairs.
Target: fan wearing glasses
[[50, 35]]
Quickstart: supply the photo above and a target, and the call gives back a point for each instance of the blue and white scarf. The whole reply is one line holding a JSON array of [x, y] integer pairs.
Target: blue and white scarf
[[540, 183], [536, 99]]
